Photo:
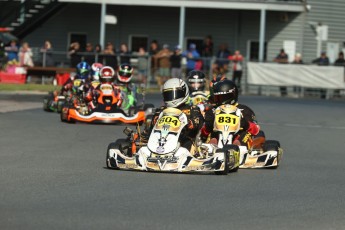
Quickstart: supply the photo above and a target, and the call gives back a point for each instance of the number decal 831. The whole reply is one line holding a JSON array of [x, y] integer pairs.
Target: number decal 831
[[227, 119]]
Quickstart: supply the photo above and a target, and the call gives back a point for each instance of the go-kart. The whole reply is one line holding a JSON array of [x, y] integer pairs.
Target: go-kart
[[53, 102], [164, 152], [105, 111], [261, 154]]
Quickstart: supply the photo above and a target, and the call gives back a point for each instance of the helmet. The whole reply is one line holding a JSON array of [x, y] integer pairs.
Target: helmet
[[95, 71], [225, 92], [83, 70], [175, 92], [196, 81], [107, 74], [125, 73]]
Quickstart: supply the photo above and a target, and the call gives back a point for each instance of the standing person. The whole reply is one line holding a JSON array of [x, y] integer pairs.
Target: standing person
[[12, 51], [97, 52], [191, 54], [297, 59], [282, 58], [89, 55], [340, 61], [109, 56], [207, 52], [2, 54], [237, 63], [322, 60], [175, 61], [47, 52], [142, 65], [73, 54], [154, 49], [125, 54], [222, 62], [163, 59], [25, 55]]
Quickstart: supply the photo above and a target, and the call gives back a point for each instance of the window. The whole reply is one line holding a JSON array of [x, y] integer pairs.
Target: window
[[197, 41], [78, 37], [253, 49], [137, 41]]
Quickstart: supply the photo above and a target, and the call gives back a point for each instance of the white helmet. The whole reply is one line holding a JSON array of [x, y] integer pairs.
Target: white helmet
[[175, 92]]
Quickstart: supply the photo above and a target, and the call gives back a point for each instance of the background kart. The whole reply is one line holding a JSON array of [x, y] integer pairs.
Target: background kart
[[53, 103]]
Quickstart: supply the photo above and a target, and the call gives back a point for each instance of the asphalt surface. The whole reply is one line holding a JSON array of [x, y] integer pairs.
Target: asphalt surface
[[53, 176]]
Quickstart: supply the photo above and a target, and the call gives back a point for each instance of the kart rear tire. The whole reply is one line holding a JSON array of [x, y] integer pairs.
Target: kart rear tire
[[146, 106], [45, 104], [271, 145]]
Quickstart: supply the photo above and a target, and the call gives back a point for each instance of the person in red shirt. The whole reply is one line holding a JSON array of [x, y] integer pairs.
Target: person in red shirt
[[237, 66]]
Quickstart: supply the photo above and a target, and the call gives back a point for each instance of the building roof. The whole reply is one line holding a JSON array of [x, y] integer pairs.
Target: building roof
[[273, 5]]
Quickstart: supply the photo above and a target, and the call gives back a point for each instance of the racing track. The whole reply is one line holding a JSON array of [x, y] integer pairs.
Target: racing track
[[53, 176]]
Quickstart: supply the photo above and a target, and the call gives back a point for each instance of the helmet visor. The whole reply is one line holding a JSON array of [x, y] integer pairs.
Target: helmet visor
[[125, 74], [173, 94], [223, 98]]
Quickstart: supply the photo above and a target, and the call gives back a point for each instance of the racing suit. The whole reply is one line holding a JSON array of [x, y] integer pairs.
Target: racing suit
[[188, 135], [94, 93], [249, 126]]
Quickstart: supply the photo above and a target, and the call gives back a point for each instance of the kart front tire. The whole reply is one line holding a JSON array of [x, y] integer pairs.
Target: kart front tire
[[272, 145], [226, 164], [110, 162]]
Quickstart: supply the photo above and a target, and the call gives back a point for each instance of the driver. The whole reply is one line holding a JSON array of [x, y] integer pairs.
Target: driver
[[106, 76], [176, 94], [226, 92], [128, 89], [196, 83], [82, 75]]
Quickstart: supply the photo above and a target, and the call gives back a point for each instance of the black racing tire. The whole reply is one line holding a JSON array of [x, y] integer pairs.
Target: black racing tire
[[271, 145], [45, 104], [60, 105], [230, 148], [226, 164], [147, 106], [111, 164]]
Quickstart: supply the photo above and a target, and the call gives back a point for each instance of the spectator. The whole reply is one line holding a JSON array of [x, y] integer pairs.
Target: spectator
[[12, 51], [47, 53], [163, 59], [322, 60], [125, 54], [237, 63], [109, 56], [282, 57], [192, 55], [89, 56], [142, 65], [25, 55], [152, 52], [297, 59], [2, 54], [73, 54], [222, 62], [175, 62], [207, 51], [340, 61], [98, 51]]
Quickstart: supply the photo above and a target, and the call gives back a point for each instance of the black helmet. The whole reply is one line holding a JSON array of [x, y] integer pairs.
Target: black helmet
[[225, 92], [196, 81]]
